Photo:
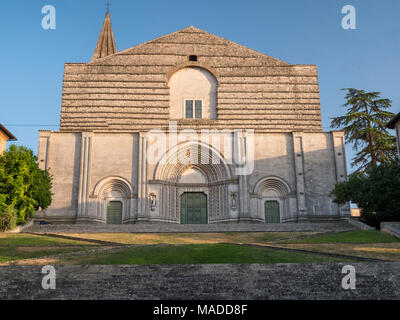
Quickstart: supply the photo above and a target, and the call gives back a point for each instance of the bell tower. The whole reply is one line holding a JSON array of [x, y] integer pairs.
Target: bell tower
[[106, 43]]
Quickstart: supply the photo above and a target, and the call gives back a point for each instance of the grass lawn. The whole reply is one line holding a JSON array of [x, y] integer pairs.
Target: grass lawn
[[383, 251], [201, 254], [175, 248], [359, 243], [358, 236], [25, 246]]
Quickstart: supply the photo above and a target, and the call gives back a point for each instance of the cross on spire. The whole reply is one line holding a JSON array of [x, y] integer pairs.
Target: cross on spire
[[108, 6]]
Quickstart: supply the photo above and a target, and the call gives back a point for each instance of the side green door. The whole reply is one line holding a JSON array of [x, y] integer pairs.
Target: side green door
[[194, 208], [114, 212], [272, 214]]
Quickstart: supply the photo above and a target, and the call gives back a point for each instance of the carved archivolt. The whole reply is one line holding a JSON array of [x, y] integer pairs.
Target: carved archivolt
[[113, 184], [209, 163], [196, 155], [112, 189], [274, 184]]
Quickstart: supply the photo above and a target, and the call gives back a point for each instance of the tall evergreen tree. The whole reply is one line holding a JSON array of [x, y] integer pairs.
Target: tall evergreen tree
[[365, 127]]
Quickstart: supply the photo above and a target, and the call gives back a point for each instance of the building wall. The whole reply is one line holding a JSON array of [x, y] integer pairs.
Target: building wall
[[114, 155], [2, 146], [60, 153], [3, 142], [297, 169], [129, 91], [196, 84], [110, 104], [398, 136]]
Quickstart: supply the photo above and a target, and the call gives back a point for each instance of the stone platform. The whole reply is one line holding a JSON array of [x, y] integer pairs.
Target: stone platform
[[183, 228], [374, 280], [391, 227]]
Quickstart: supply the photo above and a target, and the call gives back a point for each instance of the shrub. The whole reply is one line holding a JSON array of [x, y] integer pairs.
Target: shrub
[[23, 185], [8, 219]]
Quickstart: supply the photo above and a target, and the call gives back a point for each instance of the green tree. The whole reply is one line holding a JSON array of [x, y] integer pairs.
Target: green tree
[[376, 191], [364, 126], [8, 219], [23, 185]]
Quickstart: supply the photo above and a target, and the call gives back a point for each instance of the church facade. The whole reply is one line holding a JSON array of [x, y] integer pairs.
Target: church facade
[[190, 128]]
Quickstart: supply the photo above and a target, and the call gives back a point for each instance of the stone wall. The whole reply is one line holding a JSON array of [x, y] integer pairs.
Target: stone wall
[[82, 162], [299, 170], [374, 280], [193, 84], [391, 227], [397, 128], [110, 104], [129, 91]]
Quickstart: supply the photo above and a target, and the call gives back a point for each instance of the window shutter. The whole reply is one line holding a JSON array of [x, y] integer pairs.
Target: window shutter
[[189, 109], [199, 109]]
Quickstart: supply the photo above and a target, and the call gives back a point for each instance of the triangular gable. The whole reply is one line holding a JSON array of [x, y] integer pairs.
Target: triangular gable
[[193, 40]]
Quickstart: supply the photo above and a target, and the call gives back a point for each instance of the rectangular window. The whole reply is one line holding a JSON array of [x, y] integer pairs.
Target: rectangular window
[[189, 109], [193, 109], [199, 109]]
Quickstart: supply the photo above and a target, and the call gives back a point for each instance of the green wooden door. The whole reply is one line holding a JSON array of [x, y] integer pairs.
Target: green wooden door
[[194, 208], [272, 214], [114, 212]]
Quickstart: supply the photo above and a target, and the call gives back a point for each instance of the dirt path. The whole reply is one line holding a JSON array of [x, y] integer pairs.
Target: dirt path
[[55, 235]]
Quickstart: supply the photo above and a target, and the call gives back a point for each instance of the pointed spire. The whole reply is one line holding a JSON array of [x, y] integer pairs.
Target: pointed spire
[[106, 44]]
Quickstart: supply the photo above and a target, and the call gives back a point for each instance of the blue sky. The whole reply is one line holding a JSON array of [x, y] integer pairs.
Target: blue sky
[[296, 31]]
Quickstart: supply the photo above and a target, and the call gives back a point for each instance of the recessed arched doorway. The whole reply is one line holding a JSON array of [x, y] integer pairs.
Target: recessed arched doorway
[[114, 212], [194, 208], [272, 212]]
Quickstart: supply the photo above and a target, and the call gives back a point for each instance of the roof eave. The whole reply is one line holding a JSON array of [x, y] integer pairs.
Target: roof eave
[[10, 136], [392, 123]]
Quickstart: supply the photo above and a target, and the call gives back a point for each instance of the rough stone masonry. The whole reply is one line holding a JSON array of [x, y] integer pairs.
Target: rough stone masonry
[[374, 280], [116, 107]]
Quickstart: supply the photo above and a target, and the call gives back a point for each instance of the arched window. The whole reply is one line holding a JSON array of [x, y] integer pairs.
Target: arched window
[[193, 94]]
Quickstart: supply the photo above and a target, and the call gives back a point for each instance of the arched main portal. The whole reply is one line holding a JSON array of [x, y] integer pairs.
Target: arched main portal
[[193, 208], [194, 172]]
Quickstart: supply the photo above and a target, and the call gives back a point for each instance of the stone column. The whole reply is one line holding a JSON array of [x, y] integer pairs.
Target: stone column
[[142, 181], [339, 152], [239, 152], [340, 166], [43, 157], [84, 177], [299, 172], [43, 150]]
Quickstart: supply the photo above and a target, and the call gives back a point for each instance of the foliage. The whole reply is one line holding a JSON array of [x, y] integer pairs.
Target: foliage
[[365, 127], [8, 219], [23, 185], [376, 192]]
